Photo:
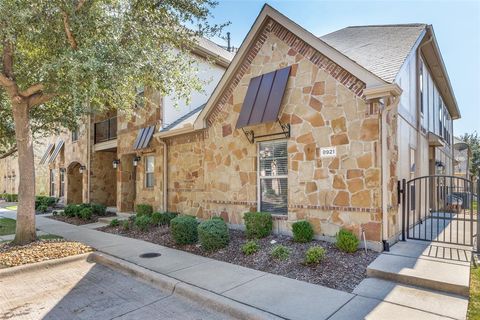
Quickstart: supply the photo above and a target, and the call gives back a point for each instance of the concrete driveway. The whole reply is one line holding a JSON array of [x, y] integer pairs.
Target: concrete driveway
[[86, 290]]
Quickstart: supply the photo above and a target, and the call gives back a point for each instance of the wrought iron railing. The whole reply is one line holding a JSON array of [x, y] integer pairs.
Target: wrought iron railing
[[105, 130]]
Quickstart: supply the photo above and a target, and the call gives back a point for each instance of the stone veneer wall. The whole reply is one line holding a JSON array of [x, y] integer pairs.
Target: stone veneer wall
[[213, 172]]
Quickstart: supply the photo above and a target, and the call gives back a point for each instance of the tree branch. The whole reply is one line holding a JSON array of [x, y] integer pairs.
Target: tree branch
[[80, 5], [8, 59], [9, 152], [38, 87], [5, 82], [68, 32], [39, 98]]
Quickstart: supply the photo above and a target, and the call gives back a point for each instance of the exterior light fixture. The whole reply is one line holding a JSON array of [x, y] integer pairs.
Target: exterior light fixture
[[115, 163], [82, 169], [136, 160]]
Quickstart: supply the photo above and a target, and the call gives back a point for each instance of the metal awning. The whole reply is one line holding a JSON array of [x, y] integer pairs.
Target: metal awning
[[143, 138], [56, 151], [47, 153], [263, 99]]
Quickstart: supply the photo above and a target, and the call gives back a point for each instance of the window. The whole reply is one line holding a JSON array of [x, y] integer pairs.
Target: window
[[149, 171], [412, 163], [75, 135], [273, 176], [420, 84], [140, 97], [62, 182], [52, 182]]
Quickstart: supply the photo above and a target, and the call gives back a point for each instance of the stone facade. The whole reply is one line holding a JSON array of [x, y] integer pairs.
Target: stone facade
[[214, 172]]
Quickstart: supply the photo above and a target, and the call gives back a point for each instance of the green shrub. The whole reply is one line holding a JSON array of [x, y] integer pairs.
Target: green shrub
[[10, 197], [143, 222], [250, 247], [71, 210], [42, 208], [98, 209], [132, 218], [280, 252], [302, 231], [144, 210], [184, 229], [126, 225], [314, 255], [347, 241], [114, 223], [156, 216], [86, 213], [84, 205], [258, 224], [213, 234], [166, 217]]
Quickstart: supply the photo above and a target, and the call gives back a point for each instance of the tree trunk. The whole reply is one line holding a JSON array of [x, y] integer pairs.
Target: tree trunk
[[25, 230]]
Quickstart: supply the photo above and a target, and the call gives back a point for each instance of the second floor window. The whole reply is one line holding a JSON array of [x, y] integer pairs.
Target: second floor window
[[149, 171], [75, 135]]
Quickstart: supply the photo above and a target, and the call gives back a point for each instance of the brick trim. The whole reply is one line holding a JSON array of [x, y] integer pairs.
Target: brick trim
[[298, 46], [238, 203], [334, 208]]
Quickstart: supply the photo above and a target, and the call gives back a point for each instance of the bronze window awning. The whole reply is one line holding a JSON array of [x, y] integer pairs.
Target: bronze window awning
[[263, 99], [262, 103], [56, 151], [47, 153], [143, 137]]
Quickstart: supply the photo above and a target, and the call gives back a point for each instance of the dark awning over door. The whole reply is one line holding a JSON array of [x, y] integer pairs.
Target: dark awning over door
[[263, 98], [143, 138]]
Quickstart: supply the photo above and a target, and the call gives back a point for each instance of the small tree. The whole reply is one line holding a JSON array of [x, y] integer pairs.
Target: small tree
[[473, 141], [62, 59]]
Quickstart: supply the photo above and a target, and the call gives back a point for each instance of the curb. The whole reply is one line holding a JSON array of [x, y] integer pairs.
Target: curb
[[9, 271], [204, 297]]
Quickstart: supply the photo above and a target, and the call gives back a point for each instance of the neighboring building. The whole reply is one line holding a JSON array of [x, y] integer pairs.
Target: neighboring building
[[304, 127], [462, 155]]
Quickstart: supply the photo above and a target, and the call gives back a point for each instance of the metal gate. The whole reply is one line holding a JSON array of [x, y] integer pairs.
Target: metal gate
[[440, 209]]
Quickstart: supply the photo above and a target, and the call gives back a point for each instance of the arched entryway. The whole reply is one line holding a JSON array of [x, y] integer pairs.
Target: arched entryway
[[74, 183]]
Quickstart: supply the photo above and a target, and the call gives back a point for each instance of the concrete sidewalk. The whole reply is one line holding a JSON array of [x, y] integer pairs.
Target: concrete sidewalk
[[279, 296]]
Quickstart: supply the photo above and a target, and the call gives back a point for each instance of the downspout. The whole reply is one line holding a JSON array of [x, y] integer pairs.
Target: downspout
[[89, 148], [384, 156], [165, 175]]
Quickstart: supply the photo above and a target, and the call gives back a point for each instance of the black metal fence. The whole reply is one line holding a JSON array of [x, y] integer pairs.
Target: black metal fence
[[105, 130], [440, 208]]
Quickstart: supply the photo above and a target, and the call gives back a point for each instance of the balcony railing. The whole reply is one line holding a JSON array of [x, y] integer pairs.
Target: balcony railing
[[105, 130]]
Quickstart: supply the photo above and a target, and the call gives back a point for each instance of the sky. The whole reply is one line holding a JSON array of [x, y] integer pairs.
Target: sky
[[456, 25]]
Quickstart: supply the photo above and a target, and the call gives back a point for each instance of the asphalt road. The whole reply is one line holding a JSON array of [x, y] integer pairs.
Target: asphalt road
[[85, 290]]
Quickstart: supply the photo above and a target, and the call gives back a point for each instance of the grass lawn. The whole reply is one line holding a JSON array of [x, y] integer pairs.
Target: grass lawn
[[7, 226], [14, 208], [474, 304], [49, 237]]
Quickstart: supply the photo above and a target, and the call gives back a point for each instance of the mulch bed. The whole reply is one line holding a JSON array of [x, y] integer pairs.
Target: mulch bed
[[78, 221], [41, 250], [339, 270]]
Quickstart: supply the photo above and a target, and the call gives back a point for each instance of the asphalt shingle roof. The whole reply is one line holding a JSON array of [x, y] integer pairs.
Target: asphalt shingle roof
[[381, 49]]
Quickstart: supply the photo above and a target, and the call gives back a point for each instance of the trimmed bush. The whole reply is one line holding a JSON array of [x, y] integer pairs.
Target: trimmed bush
[[143, 222], [213, 234], [347, 241], [280, 252], [144, 210], [71, 210], [42, 208], [314, 255], [86, 213], [302, 231], [258, 224], [99, 209], [184, 229], [114, 223], [163, 218], [45, 201], [250, 247], [126, 225]]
